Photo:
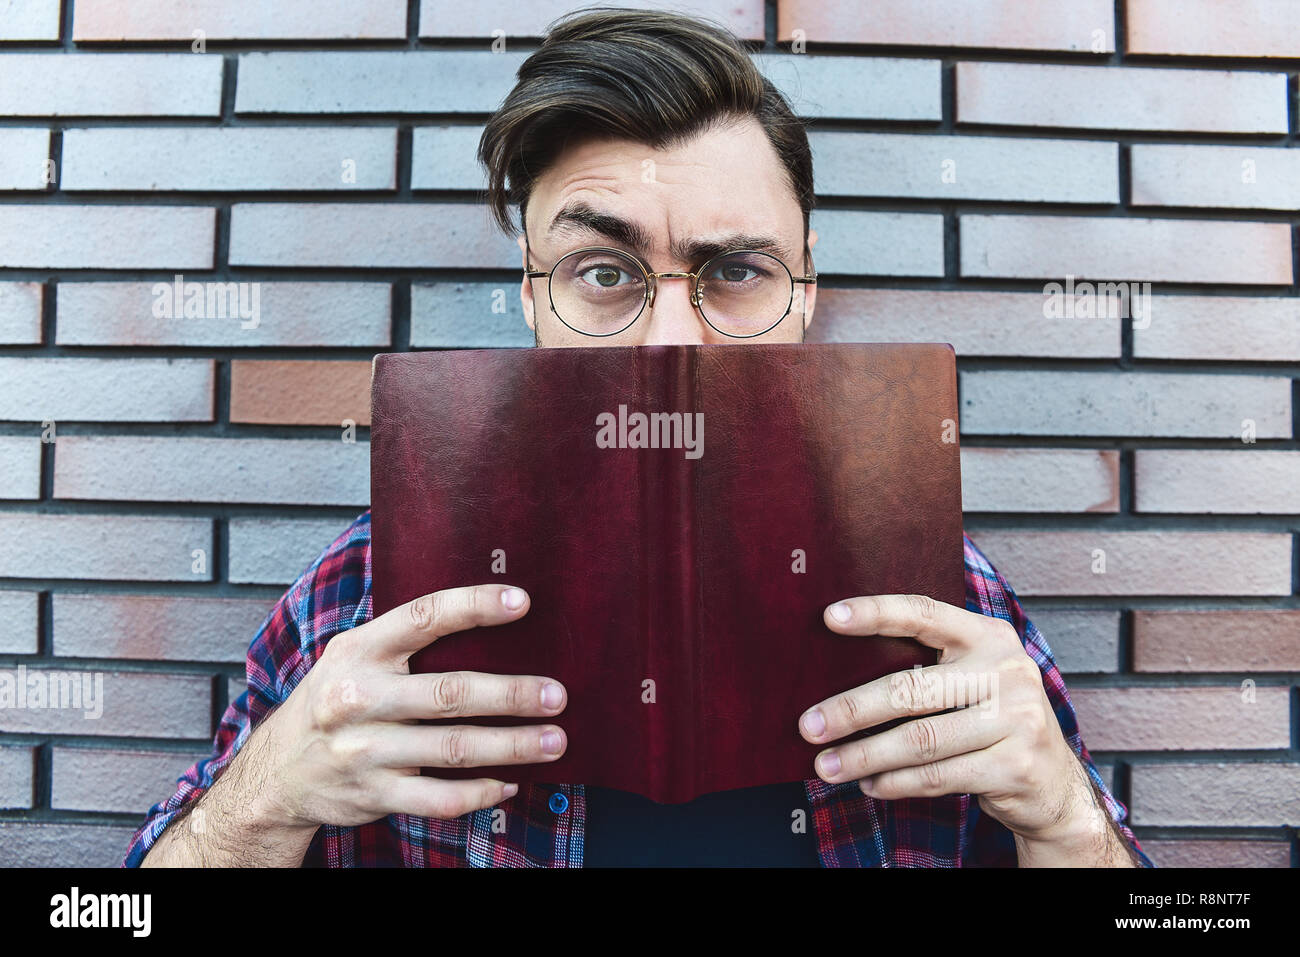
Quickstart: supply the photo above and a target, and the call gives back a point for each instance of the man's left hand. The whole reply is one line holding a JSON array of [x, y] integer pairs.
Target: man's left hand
[[1004, 743]]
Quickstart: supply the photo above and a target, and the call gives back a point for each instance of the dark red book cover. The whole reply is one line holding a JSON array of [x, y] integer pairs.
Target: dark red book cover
[[678, 564]]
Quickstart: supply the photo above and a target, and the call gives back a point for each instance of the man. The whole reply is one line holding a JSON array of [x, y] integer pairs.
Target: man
[[652, 136]]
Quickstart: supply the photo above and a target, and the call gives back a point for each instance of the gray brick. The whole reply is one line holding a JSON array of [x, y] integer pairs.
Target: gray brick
[[110, 84], [455, 20], [106, 390], [444, 157], [125, 703], [976, 323], [1039, 480], [20, 313], [24, 155], [239, 20], [115, 779], [1083, 641], [1254, 794], [965, 167], [860, 88], [443, 81], [229, 158], [1124, 403], [1242, 481], [20, 466], [1247, 328], [414, 235], [878, 244], [29, 19], [1140, 563], [24, 844], [296, 314], [16, 771], [1107, 248], [273, 471], [474, 315], [164, 627], [107, 237], [1121, 98], [277, 551], [18, 623], [1247, 177], [106, 547]]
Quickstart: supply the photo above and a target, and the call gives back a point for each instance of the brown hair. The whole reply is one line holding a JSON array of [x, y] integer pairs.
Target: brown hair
[[652, 77]]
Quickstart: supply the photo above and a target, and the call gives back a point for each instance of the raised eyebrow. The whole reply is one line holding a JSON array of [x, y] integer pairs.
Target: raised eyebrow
[[580, 216]]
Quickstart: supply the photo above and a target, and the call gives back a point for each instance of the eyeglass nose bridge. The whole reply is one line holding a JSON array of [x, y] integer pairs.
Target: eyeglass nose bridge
[[697, 294]]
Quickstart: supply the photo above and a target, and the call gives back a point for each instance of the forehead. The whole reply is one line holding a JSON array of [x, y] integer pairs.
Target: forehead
[[726, 180]]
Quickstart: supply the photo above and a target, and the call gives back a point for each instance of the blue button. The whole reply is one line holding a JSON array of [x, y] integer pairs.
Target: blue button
[[559, 803]]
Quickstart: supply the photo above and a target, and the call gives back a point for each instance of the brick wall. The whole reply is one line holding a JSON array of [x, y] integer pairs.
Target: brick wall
[[967, 154]]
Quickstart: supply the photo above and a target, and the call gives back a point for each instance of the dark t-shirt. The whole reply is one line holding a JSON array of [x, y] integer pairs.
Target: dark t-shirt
[[747, 827]]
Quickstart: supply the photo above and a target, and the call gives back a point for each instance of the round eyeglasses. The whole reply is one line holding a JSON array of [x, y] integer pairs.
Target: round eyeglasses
[[601, 290]]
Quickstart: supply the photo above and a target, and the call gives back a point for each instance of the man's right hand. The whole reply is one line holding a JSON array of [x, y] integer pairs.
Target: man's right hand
[[345, 747]]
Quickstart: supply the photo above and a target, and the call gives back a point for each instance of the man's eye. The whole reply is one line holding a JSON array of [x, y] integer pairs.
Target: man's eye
[[735, 272], [603, 275]]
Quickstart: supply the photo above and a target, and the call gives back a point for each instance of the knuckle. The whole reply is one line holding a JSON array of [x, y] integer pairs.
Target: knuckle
[[424, 612], [852, 709], [517, 696], [523, 744], [338, 702], [932, 776], [447, 804], [923, 607], [448, 693], [909, 690], [923, 738], [457, 748]]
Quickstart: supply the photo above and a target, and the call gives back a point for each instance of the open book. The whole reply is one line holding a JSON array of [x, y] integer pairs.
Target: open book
[[680, 516]]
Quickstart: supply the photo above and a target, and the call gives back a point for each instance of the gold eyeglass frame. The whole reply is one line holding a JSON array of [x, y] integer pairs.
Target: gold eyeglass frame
[[652, 279]]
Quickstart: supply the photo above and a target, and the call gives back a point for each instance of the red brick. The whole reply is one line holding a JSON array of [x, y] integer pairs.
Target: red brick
[[156, 627], [1246, 640], [1086, 26], [299, 392], [1183, 719], [1141, 563], [454, 19], [1244, 28], [115, 780]]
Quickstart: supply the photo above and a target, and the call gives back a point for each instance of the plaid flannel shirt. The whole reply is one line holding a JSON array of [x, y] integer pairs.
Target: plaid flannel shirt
[[852, 830]]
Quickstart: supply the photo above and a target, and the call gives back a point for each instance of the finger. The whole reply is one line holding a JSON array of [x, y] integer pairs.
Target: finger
[[899, 695], [467, 746], [423, 796], [457, 694], [933, 623], [920, 741], [406, 629], [970, 773]]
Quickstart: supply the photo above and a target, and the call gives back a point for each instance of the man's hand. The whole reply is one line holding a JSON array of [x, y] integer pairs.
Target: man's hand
[[346, 748], [1003, 744]]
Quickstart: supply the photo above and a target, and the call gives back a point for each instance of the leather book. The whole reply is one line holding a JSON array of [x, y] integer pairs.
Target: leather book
[[681, 516]]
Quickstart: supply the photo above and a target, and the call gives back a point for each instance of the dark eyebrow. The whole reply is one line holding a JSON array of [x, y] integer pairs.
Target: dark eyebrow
[[579, 216]]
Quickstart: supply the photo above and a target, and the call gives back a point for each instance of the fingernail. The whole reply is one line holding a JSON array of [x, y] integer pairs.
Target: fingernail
[[552, 695], [865, 786], [513, 598], [814, 722], [551, 742], [510, 790], [829, 764], [841, 612]]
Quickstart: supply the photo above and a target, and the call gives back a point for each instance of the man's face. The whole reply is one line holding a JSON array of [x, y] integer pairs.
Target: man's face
[[725, 186]]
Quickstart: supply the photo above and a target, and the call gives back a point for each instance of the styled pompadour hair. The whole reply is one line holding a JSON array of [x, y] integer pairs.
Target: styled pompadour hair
[[648, 76]]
